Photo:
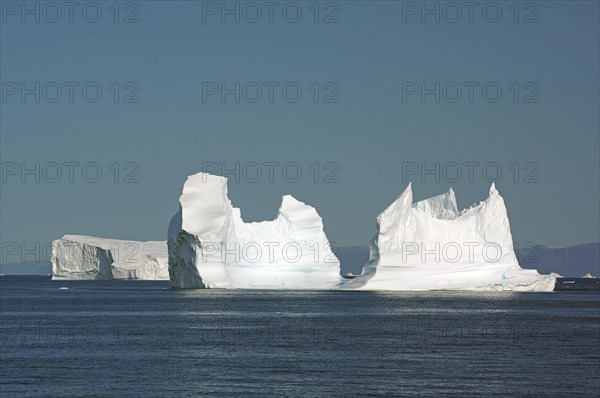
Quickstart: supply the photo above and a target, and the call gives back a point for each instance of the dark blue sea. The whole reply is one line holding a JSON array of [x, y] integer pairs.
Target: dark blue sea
[[143, 339]]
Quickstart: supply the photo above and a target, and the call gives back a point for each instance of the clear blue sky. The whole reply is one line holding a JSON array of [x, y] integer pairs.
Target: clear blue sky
[[372, 57]]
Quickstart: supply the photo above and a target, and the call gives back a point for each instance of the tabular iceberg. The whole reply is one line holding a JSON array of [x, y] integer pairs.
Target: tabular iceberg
[[210, 246], [86, 257], [429, 245]]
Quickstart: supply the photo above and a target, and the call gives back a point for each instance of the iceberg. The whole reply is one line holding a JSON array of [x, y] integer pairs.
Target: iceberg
[[76, 257], [427, 245], [210, 246], [430, 245]]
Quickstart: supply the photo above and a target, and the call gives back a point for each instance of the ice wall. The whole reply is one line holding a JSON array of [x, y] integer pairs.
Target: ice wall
[[210, 246]]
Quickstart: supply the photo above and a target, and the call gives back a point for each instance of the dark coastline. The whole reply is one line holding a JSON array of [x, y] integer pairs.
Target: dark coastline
[[577, 284]]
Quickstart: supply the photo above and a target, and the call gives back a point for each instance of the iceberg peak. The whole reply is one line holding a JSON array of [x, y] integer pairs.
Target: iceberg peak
[[441, 206], [493, 190]]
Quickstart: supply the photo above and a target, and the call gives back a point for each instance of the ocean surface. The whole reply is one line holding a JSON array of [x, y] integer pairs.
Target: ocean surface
[[143, 339]]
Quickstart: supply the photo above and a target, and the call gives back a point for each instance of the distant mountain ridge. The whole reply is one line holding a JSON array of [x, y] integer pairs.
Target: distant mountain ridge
[[572, 261], [26, 268]]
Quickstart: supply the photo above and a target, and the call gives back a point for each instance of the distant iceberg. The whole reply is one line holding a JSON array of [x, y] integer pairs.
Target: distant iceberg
[[429, 245], [76, 257], [210, 246]]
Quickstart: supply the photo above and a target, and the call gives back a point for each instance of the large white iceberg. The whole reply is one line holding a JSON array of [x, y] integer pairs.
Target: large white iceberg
[[430, 245], [210, 246], [86, 257]]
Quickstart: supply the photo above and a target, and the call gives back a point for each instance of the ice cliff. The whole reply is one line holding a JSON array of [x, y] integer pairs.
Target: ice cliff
[[429, 245], [210, 246], [86, 257]]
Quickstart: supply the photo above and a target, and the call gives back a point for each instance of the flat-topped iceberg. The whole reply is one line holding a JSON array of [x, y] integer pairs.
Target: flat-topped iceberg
[[86, 257], [429, 245], [210, 246]]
